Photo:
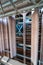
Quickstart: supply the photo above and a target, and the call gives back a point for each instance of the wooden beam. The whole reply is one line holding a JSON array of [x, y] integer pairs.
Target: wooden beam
[[21, 10]]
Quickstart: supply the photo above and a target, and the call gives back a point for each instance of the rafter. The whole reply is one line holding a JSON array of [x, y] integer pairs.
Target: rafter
[[22, 9], [33, 1], [26, 1], [40, 1], [22, 1], [13, 5], [1, 7]]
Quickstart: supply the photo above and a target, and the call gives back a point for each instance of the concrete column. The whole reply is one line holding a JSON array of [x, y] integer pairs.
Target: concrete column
[[34, 37], [41, 51], [12, 37]]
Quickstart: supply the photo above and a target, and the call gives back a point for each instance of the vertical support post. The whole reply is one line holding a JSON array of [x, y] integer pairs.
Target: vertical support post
[[2, 40], [10, 40], [6, 36], [24, 32], [41, 51], [34, 37], [12, 37]]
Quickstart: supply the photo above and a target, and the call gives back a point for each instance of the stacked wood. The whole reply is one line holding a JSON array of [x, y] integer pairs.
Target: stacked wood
[[20, 51], [28, 62], [21, 59], [28, 53], [19, 40], [28, 33]]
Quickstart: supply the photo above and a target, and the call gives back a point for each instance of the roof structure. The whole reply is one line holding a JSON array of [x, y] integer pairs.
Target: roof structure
[[9, 7]]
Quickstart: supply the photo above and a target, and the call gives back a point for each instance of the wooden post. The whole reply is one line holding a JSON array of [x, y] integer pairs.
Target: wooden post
[[24, 32], [34, 37], [12, 36], [0, 41], [5, 36], [13, 30], [9, 25], [41, 51], [2, 38]]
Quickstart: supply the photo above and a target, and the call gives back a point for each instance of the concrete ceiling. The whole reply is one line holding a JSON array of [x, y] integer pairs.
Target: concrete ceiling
[[8, 6]]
